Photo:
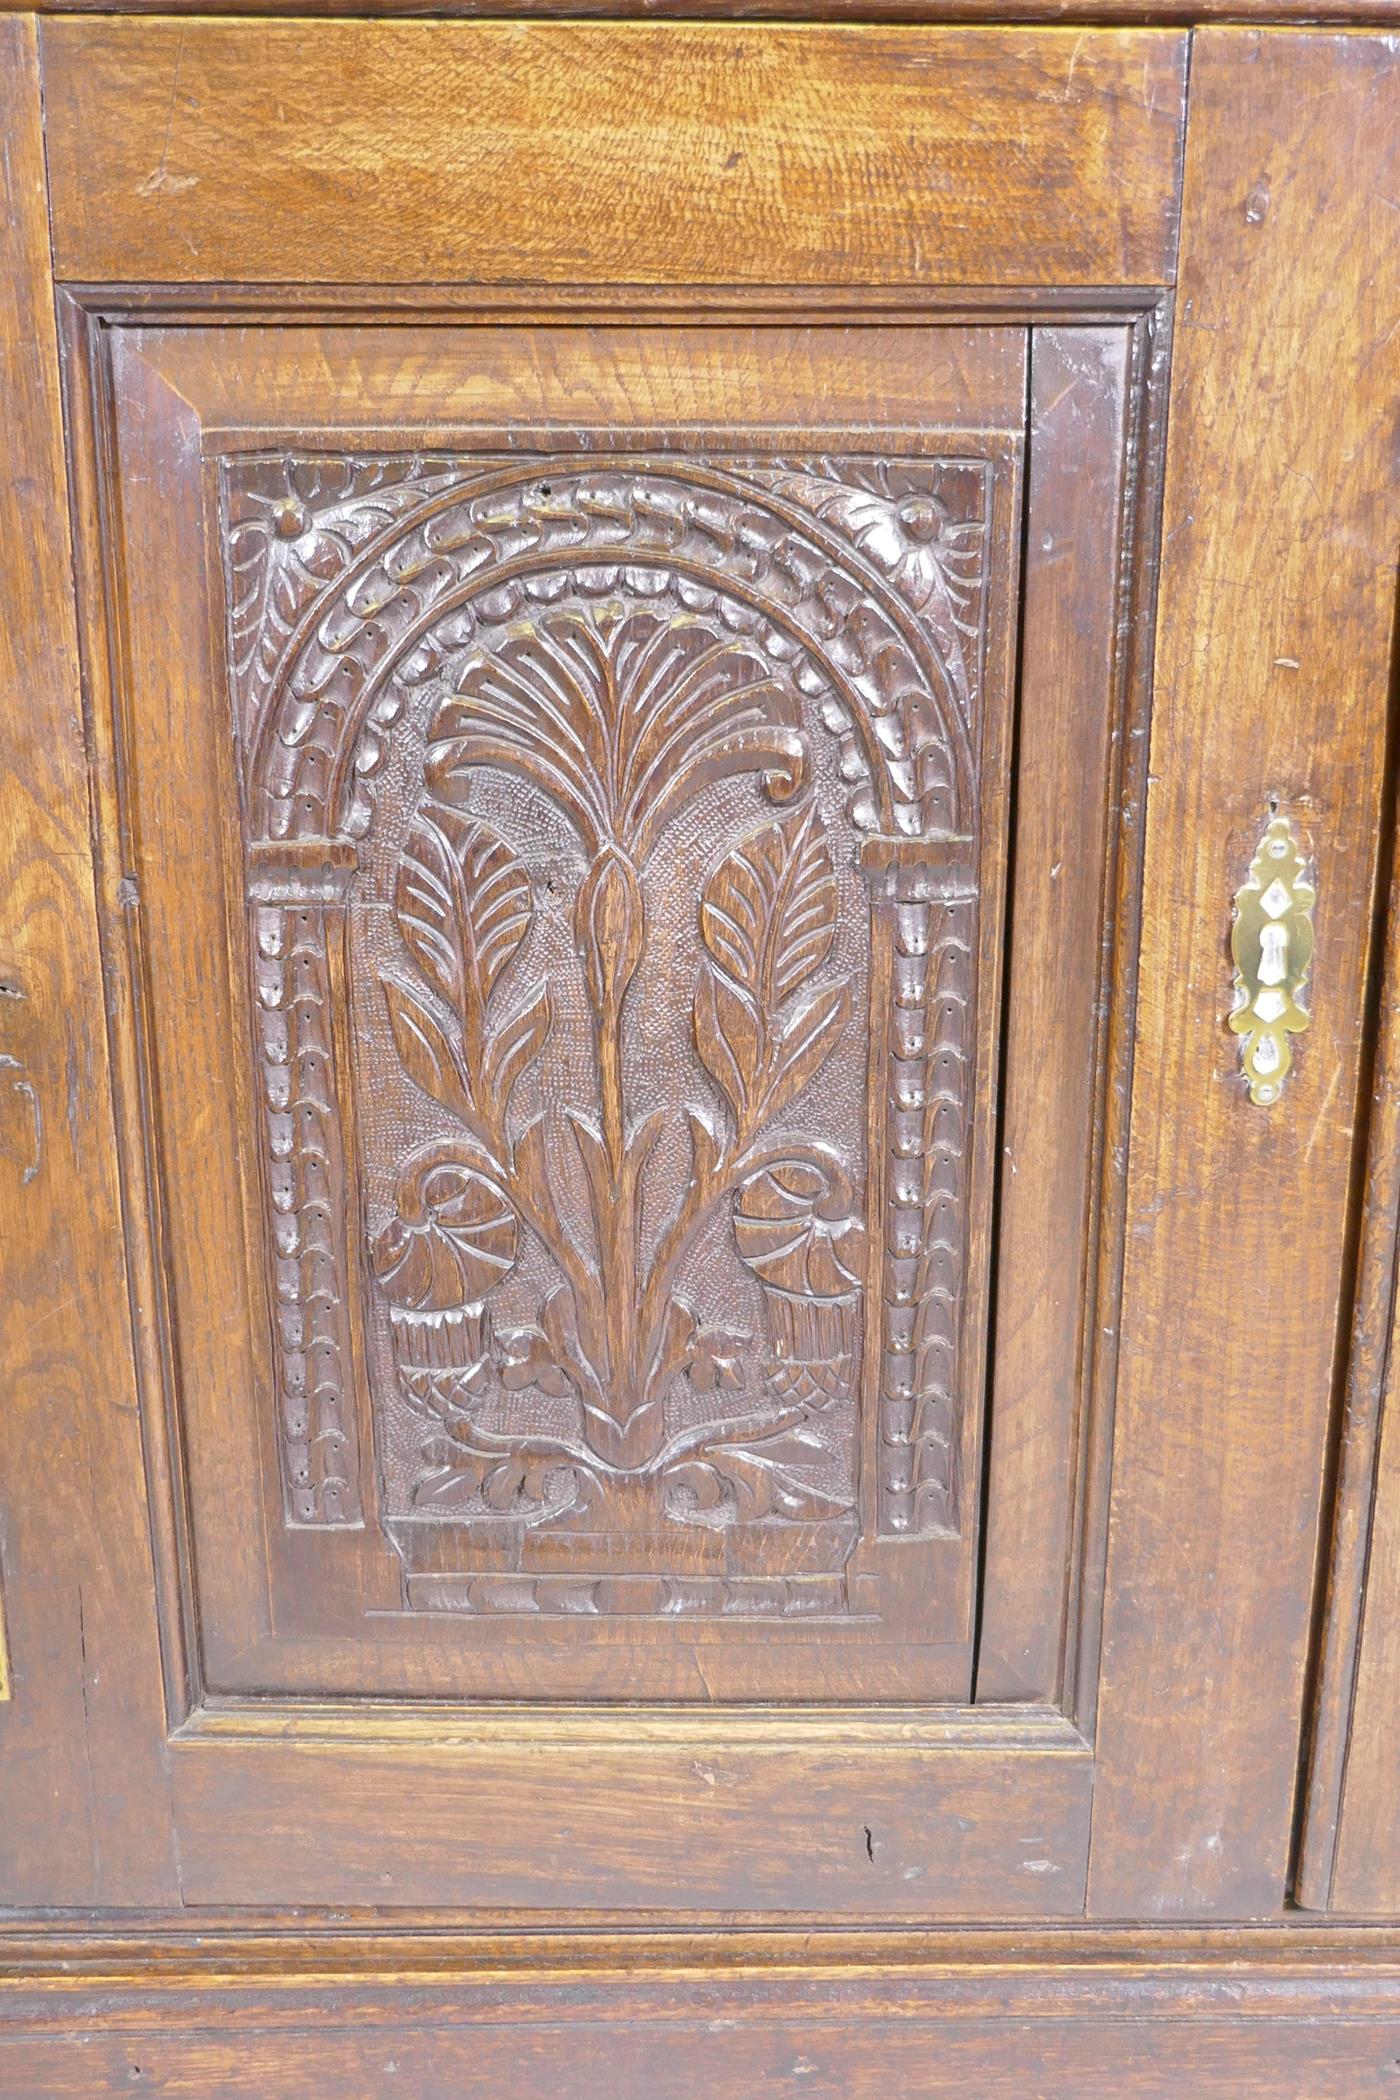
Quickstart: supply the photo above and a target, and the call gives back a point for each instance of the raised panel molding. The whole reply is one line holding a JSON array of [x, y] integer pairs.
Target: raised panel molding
[[658, 1293]]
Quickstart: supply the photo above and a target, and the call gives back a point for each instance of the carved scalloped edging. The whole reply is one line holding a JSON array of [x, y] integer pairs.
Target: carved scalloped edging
[[926, 1167], [817, 586], [305, 1181]]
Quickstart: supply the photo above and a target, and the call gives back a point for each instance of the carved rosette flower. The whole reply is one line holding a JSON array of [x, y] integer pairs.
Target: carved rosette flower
[[452, 1239], [795, 1227]]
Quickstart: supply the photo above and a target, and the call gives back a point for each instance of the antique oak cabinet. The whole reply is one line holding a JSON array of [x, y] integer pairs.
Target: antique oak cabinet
[[700, 1052]]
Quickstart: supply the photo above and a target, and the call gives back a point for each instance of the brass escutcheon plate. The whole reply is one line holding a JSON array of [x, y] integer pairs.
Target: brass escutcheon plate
[[1272, 943]]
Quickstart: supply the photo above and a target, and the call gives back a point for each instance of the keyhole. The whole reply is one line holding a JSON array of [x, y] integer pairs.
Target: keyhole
[[1273, 954]]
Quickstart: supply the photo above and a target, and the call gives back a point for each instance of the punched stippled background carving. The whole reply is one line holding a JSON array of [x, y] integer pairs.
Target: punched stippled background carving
[[628, 809]]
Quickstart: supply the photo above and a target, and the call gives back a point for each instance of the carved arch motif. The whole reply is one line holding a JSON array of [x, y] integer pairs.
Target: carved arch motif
[[864, 582], [850, 594]]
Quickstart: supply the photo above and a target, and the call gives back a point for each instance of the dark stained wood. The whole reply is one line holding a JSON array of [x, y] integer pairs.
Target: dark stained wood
[[569, 850], [834, 2014], [402, 152], [1273, 657], [83, 1809]]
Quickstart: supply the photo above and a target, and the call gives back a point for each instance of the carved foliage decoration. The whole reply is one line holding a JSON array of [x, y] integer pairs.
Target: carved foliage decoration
[[615, 1297], [619, 717], [874, 570]]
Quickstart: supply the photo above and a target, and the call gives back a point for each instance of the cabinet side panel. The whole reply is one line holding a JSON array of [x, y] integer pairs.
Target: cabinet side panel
[[1367, 1875], [1362, 1592], [1271, 691], [80, 1737]]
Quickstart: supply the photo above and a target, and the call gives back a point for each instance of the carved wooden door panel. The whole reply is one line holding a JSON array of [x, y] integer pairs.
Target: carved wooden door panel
[[621, 795], [577, 1028], [617, 896]]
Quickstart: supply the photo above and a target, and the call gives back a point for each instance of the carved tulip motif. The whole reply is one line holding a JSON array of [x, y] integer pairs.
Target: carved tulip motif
[[796, 1228], [452, 1239], [621, 718]]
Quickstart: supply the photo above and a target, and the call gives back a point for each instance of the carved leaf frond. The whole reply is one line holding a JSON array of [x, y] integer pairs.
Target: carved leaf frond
[[805, 1044], [728, 1038], [463, 904], [768, 913], [515, 1045], [425, 1051]]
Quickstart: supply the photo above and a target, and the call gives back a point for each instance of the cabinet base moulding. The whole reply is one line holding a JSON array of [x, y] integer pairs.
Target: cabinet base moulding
[[1284, 2013]]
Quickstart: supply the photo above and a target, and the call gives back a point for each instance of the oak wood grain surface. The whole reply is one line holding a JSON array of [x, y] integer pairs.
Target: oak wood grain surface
[[990, 13], [618, 153], [694, 339], [1272, 671], [1288, 2015], [82, 1794], [780, 1823]]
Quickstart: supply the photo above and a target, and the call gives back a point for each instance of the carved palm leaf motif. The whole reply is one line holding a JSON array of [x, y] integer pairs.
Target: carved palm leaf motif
[[619, 718]]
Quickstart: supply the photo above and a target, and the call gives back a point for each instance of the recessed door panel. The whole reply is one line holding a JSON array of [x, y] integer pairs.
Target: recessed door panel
[[614, 835], [575, 1050]]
